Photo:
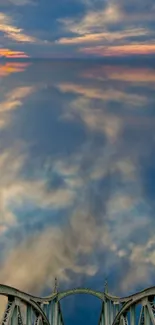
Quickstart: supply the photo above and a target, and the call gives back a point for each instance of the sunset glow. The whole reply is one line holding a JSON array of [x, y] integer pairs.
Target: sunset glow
[[92, 28], [7, 53], [127, 49]]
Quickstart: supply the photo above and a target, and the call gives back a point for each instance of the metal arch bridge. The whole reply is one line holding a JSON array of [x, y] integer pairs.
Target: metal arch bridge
[[25, 309]]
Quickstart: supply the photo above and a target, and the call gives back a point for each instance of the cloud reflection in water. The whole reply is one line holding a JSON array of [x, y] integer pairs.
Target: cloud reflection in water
[[75, 142]]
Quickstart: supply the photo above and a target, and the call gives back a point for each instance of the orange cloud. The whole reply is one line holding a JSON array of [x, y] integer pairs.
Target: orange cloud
[[12, 54], [129, 49], [12, 67]]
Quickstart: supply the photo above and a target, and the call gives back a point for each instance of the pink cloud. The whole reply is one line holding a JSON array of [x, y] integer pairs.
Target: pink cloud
[[120, 50]]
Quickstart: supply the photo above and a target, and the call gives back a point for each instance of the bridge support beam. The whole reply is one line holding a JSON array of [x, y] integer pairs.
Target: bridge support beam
[[106, 312], [146, 316], [55, 312], [46, 309], [112, 312], [29, 315], [14, 318], [50, 312], [132, 315], [109, 312]]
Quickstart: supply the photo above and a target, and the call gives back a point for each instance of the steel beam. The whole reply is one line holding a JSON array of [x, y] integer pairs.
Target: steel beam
[[14, 317], [132, 315], [29, 315]]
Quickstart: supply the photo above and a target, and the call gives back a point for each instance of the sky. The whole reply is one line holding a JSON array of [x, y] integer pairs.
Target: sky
[[77, 151], [77, 179], [76, 28]]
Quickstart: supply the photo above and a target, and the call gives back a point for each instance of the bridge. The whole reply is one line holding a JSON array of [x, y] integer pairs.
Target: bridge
[[25, 309]]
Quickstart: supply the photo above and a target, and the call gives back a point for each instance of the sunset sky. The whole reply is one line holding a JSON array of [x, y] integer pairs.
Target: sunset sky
[[77, 148], [76, 28]]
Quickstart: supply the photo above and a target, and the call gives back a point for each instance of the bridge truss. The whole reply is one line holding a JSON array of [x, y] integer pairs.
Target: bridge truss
[[25, 309]]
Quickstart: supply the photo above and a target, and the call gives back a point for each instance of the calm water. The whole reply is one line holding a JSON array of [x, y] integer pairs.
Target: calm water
[[77, 179]]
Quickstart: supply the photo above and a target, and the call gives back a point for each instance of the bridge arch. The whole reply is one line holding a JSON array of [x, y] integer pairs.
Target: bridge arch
[[63, 294]]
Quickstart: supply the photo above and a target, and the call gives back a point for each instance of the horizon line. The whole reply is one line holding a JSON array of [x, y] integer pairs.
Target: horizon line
[[135, 56]]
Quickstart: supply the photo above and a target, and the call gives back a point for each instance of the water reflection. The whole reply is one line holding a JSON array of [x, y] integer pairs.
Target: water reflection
[[77, 175]]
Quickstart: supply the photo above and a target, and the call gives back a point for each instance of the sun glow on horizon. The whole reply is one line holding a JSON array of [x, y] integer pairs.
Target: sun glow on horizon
[[7, 53]]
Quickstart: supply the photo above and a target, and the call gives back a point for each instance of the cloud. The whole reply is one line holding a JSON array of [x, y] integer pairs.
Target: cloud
[[85, 231], [81, 236], [127, 74], [127, 211], [111, 233], [101, 23], [128, 49], [55, 251], [12, 101], [111, 14], [122, 220], [107, 36], [108, 217], [108, 94], [93, 21], [8, 176], [66, 245], [12, 32], [111, 29], [142, 261], [95, 120], [99, 119], [12, 54], [15, 190]]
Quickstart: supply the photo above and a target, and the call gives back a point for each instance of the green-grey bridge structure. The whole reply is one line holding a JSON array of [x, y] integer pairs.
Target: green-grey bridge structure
[[25, 309]]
